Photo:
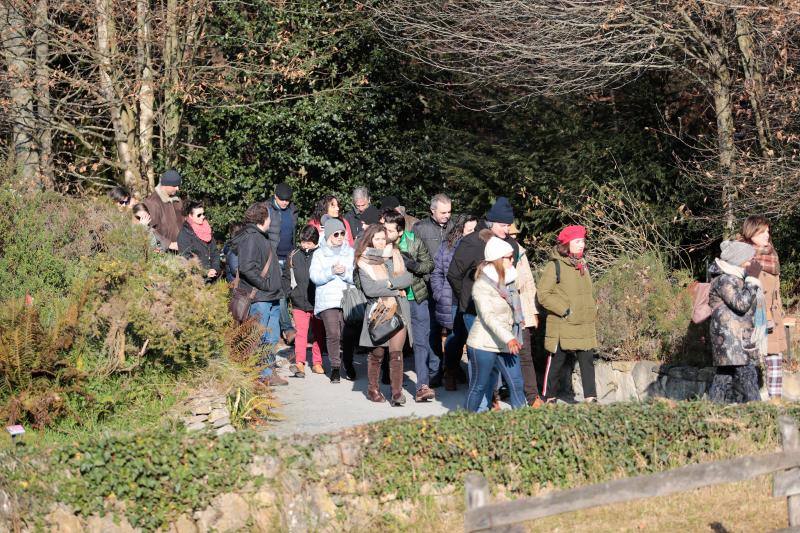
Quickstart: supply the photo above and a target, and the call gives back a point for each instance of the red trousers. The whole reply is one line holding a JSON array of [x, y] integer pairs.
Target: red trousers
[[302, 321]]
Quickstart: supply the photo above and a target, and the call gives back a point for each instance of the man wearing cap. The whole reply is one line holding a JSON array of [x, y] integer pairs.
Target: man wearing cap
[[166, 209], [283, 221], [467, 257]]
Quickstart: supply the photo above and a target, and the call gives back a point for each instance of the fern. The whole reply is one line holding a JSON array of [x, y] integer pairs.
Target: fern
[[244, 341]]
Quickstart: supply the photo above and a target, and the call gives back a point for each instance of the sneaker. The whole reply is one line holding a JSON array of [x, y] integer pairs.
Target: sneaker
[[350, 373], [274, 380], [590, 399], [298, 370], [424, 394], [317, 369], [335, 377], [398, 401], [450, 382]]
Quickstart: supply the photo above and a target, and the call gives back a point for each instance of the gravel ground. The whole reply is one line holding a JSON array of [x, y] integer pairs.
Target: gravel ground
[[315, 405]]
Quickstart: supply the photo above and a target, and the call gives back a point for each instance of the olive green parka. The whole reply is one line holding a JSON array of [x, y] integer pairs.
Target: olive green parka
[[573, 292]]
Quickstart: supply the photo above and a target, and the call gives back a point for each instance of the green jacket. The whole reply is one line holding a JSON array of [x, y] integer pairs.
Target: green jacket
[[576, 331], [421, 265]]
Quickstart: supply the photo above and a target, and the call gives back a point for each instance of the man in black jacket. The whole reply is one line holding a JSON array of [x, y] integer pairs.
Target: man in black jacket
[[468, 256], [283, 221], [254, 251], [361, 202]]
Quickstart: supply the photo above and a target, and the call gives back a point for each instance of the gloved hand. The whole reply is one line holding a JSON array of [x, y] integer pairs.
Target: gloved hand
[[411, 264], [753, 269]]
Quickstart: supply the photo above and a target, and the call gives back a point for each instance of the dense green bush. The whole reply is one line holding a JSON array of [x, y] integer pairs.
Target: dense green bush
[[644, 312], [527, 450], [155, 475], [100, 304]]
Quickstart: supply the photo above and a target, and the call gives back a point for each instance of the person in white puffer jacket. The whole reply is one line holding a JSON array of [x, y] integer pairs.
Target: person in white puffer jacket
[[331, 272]]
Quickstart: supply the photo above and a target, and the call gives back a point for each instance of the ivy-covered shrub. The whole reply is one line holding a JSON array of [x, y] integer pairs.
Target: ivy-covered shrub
[[155, 475], [564, 446], [644, 312]]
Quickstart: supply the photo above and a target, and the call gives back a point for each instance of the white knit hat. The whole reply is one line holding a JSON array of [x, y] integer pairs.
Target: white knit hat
[[496, 248]]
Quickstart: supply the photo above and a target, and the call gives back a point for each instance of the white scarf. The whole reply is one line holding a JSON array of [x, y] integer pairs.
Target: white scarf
[[491, 273]]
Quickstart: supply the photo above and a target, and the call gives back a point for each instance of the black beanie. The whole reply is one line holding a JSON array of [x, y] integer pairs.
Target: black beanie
[[371, 215], [501, 211], [283, 191], [170, 178]]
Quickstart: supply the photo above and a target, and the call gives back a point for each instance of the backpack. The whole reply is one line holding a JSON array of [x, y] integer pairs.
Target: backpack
[[701, 310]]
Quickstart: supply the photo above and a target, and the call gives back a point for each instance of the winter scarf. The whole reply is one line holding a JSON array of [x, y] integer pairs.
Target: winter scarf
[[202, 230], [768, 259], [375, 260], [509, 293], [579, 263], [759, 336]]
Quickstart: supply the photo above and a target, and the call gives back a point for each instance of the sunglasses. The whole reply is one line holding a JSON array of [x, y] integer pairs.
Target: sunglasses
[[126, 201], [200, 215], [338, 234]]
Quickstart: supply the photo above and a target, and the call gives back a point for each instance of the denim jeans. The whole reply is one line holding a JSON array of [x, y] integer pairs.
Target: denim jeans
[[435, 333], [484, 367], [426, 363], [286, 318], [467, 320], [269, 317]]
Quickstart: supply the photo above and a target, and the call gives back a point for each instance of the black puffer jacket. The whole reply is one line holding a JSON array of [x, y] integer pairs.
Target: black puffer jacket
[[299, 263], [467, 257], [190, 245], [253, 248]]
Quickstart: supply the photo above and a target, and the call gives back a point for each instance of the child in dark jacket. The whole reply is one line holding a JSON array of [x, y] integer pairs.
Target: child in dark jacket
[[297, 284]]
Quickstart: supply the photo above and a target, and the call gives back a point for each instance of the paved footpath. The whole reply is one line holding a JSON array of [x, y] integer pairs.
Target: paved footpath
[[315, 405]]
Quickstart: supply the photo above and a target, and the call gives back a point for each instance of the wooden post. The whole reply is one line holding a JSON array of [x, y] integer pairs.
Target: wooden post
[[787, 483], [476, 493]]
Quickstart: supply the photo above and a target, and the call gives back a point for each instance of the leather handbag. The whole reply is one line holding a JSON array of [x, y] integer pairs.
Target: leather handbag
[[354, 305], [241, 300], [384, 323]]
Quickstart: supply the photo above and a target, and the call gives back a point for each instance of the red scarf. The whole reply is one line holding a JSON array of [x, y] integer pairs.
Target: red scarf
[[578, 262], [202, 230]]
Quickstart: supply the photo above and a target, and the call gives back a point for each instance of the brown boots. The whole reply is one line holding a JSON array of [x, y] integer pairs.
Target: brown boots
[[395, 375], [373, 375]]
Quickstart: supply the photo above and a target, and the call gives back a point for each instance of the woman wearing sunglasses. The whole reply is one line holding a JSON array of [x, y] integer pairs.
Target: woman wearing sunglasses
[[332, 271], [328, 207], [197, 240]]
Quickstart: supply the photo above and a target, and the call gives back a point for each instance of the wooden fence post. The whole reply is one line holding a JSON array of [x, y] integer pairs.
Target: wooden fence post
[[787, 483], [476, 493]]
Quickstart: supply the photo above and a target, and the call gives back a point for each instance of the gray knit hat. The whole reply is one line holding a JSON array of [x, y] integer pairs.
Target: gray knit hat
[[736, 252], [332, 225]]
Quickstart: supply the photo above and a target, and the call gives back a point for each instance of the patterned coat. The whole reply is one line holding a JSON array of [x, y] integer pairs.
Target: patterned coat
[[733, 300]]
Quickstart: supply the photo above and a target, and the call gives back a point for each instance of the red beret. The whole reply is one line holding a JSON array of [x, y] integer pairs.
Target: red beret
[[571, 232]]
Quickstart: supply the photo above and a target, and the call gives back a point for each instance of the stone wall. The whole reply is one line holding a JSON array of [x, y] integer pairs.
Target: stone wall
[[622, 381]]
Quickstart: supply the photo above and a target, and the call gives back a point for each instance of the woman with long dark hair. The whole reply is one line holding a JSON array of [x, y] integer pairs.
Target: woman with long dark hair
[[383, 278], [196, 239], [328, 207]]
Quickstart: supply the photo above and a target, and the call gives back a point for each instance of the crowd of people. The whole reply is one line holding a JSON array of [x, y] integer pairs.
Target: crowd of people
[[435, 286]]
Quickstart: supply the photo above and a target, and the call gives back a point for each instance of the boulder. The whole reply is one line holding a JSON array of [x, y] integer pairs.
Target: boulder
[[62, 520], [326, 456], [108, 524], [321, 506], [217, 414], [197, 426], [342, 483], [225, 429], [228, 512], [183, 524], [201, 407], [645, 378], [350, 452]]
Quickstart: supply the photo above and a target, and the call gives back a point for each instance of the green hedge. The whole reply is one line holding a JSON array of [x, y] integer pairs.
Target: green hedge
[[562, 446], [155, 476]]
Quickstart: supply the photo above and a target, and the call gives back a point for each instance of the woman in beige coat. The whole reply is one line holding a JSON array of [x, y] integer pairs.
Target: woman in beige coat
[[756, 232], [496, 336]]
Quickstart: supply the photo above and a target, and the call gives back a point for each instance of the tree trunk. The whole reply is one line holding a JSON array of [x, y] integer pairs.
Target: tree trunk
[[16, 50], [721, 92], [45, 128], [172, 101], [146, 93], [105, 47], [754, 80]]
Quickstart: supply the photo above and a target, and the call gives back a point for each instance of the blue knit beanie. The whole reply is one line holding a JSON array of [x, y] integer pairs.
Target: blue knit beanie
[[501, 211]]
